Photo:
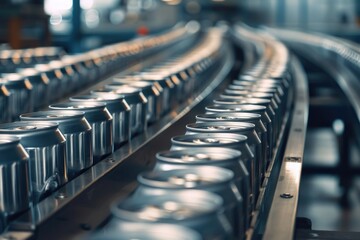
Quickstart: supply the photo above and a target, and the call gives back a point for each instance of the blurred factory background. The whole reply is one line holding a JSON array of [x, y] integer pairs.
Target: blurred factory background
[[82, 25], [85, 24]]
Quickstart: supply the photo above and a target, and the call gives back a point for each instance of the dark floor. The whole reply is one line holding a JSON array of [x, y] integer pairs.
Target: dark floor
[[320, 194]]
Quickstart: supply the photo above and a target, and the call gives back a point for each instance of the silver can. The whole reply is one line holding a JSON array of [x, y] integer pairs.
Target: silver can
[[101, 123], [199, 210], [208, 178], [221, 157], [152, 95], [273, 104], [242, 128], [45, 145], [40, 86], [136, 100], [266, 139], [119, 110], [54, 77], [77, 131], [168, 89], [15, 189], [145, 231], [22, 97], [221, 140], [254, 118]]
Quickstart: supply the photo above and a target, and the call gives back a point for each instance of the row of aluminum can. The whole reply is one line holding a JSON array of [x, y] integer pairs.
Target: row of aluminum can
[[209, 180], [51, 147], [28, 84]]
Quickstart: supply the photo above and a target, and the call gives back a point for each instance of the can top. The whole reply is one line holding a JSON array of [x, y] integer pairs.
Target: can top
[[228, 116], [16, 81], [243, 100], [23, 127], [189, 178], [178, 206], [130, 94], [120, 89], [198, 155], [220, 127], [235, 108], [28, 72], [147, 231], [143, 85], [208, 139], [52, 115], [79, 106], [34, 133], [94, 111], [114, 102]]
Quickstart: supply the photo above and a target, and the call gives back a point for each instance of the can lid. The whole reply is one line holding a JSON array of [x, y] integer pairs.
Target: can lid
[[110, 97], [235, 108], [243, 100], [79, 106], [52, 115], [189, 178], [121, 89], [26, 127], [228, 116], [198, 155], [208, 139], [220, 127], [178, 206]]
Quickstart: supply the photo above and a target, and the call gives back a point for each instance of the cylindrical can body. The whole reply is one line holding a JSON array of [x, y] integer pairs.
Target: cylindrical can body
[[22, 98], [208, 178], [101, 123], [119, 110], [40, 86], [242, 128], [260, 128], [77, 131], [222, 140], [45, 145], [152, 94], [136, 100], [15, 189], [221, 157], [5, 104], [199, 210]]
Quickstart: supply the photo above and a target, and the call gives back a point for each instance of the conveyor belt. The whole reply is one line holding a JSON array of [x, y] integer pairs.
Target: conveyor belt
[[196, 69]]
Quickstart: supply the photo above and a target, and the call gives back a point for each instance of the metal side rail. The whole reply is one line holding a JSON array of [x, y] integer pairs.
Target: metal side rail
[[275, 213], [83, 204]]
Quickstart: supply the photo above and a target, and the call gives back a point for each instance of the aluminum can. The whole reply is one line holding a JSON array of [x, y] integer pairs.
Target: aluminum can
[[221, 157], [199, 210], [145, 231], [40, 86], [119, 110], [77, 131], [242, 128], [45, 145], [266, 139], [168, 89], [22, 97], [273, 105], [14, 175], [254, 118], [54, 78], [260, 102], [152, 94], [208, 178], [136, 100], [101, 123], [222, 140]]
